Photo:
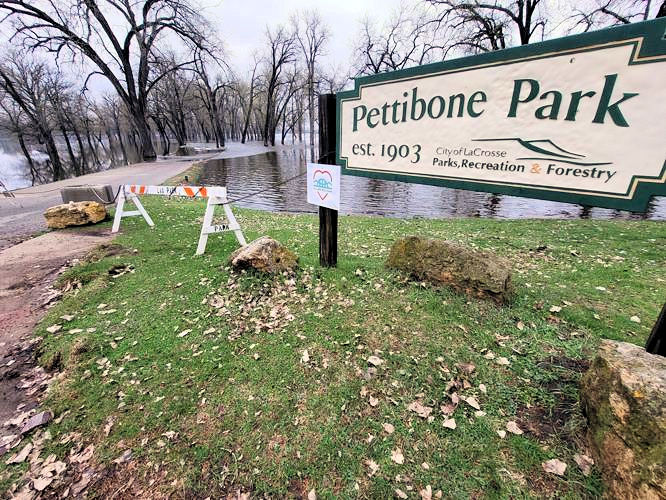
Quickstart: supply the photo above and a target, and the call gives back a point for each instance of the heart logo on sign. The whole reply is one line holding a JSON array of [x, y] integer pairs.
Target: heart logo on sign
[[321, 184]]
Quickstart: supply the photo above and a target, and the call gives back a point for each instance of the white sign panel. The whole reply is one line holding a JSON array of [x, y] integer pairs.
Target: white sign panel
[[324, 185], [579, 119]]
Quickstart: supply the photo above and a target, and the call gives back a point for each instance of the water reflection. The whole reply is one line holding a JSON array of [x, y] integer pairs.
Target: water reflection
[[360, 195]]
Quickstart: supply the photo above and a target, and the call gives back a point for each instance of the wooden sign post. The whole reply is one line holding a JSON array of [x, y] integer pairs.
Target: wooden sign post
[[328, 218]]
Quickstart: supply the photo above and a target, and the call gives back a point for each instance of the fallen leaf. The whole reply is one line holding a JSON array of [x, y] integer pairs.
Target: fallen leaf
[[554, 466], [471, 400], [21, 455], [375, 361], [183, 333], [419, 409], [109, 424], [397, 456], [466, 368], [482, 388], [584, 462], [42, 482], [373, 401], [36, 420], [513, 428], [305, 357], [388, 428], [312, 495], [502, 361], [635, 319], [400, 494], [555, 309], [372, 465], [426, 493], [54, 328], [125, 457], [450, 423], [501, 434], [84, 456]]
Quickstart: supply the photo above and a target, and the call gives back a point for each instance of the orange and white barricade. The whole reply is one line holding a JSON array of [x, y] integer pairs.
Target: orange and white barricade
[[217, 195]]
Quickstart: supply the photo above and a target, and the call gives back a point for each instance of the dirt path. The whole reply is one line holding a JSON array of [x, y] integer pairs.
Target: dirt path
[[27, 270]]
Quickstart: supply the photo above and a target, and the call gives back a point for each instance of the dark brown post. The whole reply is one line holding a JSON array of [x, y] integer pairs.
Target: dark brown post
[[656, 343], [328, 218]]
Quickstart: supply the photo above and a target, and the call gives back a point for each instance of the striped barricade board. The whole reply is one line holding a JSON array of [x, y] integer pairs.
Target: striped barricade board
[[217, 195]]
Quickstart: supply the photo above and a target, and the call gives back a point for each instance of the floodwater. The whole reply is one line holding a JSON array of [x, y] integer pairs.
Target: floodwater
[[270, 173]]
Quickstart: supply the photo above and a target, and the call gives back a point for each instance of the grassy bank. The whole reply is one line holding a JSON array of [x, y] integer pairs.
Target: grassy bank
[[204, 373]]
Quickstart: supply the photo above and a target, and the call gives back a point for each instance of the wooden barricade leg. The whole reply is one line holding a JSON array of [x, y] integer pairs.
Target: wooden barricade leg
[[120, 212], [208, 227], [120, 204], [234, 225]]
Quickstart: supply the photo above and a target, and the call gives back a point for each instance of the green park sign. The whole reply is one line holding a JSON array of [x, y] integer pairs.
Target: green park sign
[[580, 119]]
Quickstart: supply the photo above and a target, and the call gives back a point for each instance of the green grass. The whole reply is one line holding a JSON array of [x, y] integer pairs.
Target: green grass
[[249, 414]]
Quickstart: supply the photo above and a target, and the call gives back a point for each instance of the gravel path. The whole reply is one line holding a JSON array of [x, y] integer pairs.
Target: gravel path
[[22, 217]]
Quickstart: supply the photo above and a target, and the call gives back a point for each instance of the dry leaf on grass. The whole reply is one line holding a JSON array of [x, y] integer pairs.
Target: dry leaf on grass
[[584, 462], [419, 409], [471, 400], [389, 428], [400, 494], [312, 495], [375, 361], [305, 357], [426, 493], [372, 465], [513, 428], [183, 333], [397, 456], [450, 423], [554, 466]]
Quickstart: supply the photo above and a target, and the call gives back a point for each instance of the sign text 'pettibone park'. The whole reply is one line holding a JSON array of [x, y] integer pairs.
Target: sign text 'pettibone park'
[[579, 119]]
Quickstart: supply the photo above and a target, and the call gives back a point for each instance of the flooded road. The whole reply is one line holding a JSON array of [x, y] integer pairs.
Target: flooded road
[[364, 196]]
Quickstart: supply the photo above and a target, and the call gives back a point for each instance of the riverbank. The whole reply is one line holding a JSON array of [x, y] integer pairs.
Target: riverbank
[[182, 378]]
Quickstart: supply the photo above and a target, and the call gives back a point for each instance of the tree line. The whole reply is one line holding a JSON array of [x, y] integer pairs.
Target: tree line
[[172, 84]]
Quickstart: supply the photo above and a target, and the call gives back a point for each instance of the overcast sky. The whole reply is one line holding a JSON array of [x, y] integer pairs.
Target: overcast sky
[[242, 23]]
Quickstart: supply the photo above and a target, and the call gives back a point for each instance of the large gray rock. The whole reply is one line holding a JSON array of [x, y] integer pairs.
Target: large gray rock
[[624, 397], [264, 254], [476, 273], [74, 214]]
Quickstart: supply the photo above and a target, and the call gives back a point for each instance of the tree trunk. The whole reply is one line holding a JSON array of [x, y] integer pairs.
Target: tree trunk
[[311, 111], [143, 129], [72, 157], [31, 164], [54, 157]]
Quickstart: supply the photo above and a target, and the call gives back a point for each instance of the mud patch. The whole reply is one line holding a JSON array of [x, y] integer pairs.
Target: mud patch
[[562, 419]]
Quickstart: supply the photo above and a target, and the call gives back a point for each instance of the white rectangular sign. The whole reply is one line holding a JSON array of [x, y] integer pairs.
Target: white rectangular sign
[[324, 185], [578, 119]]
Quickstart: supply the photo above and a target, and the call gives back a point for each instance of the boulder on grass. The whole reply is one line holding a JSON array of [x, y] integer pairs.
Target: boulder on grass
[[75, 214], [624, 397], [476, 273], [264, 254]]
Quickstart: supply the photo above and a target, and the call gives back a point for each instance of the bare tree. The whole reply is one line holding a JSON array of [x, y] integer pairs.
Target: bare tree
[[250, 101], [485, 26], [26, 84], [409, 38], [312, 38], [281, 47], [598, 14], [119, 37]]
